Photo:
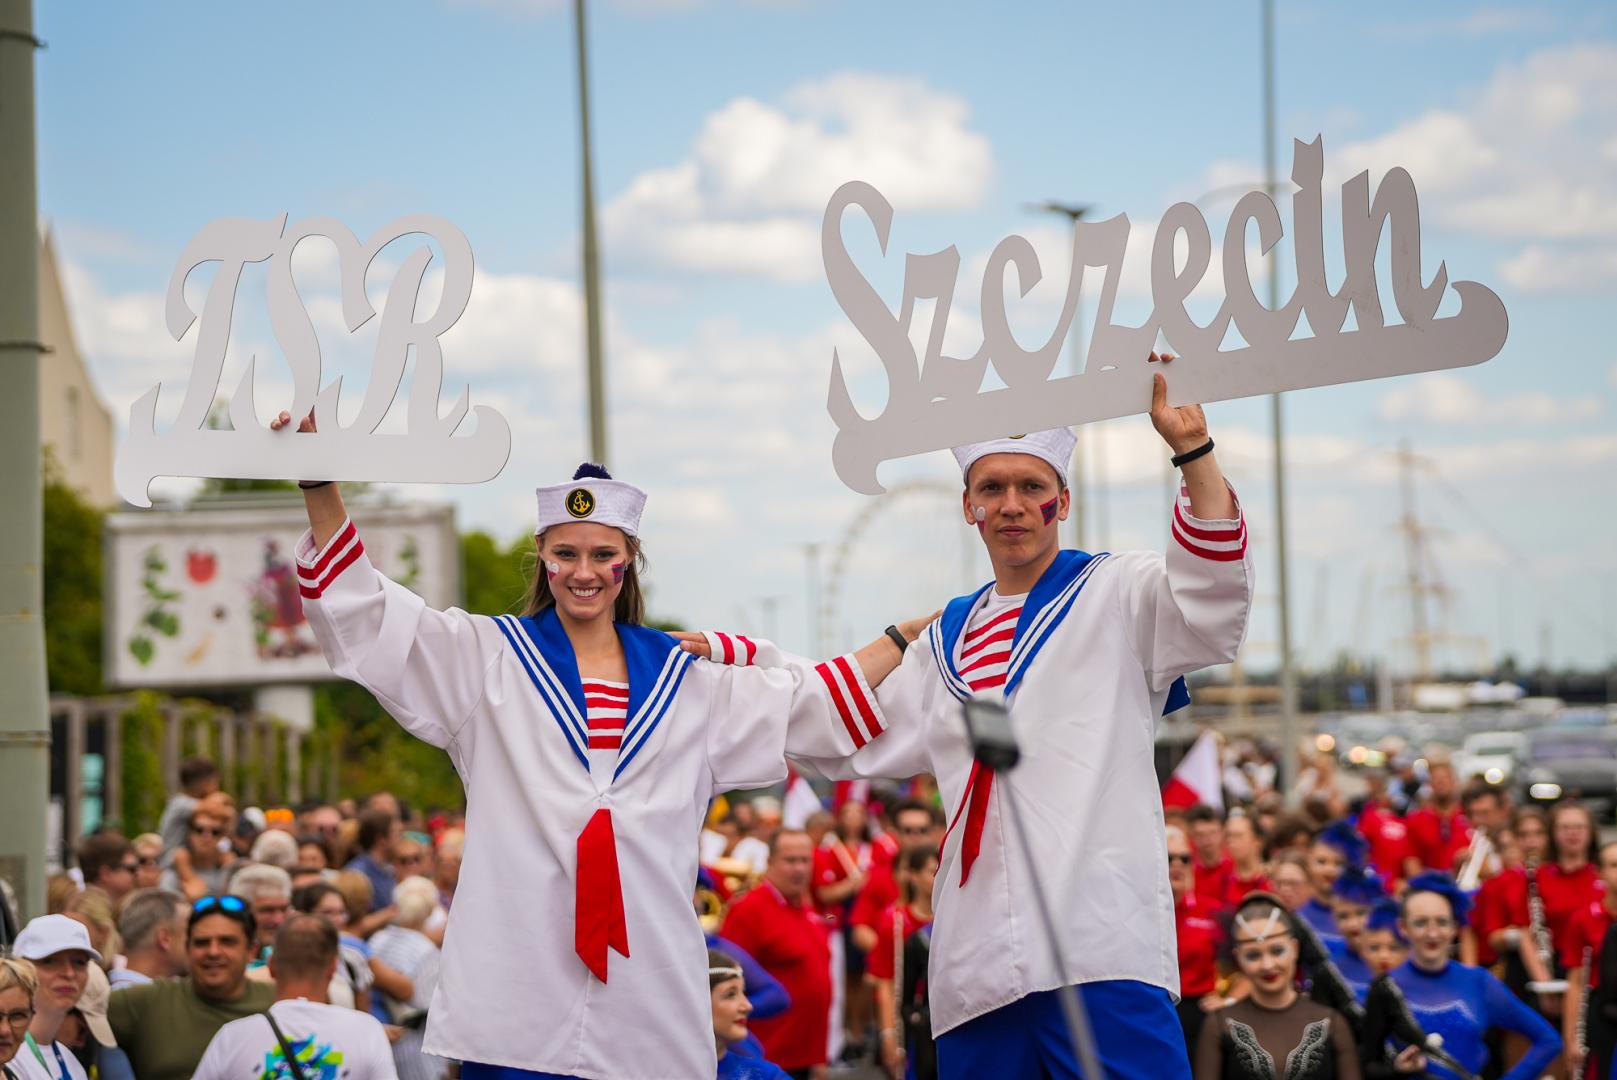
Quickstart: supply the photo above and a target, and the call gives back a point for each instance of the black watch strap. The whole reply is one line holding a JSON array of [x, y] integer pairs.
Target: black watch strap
[[1181, 460], [897, 638]]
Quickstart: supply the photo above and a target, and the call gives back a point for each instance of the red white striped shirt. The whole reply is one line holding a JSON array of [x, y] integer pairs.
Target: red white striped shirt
[[985, 654], [606, 706]]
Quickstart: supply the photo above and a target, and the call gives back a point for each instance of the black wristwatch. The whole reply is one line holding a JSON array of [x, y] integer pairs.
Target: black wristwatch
[[897, 638]]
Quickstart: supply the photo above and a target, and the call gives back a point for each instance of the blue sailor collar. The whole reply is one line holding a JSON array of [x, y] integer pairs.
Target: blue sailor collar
[[656, 666], [1047, 604]]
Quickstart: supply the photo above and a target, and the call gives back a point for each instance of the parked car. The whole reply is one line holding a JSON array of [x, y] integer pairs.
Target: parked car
[[1561, 762], [1491, 755]]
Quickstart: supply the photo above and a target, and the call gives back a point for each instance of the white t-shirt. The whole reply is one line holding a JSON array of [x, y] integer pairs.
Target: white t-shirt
[[328, 1040], [26, 1065]]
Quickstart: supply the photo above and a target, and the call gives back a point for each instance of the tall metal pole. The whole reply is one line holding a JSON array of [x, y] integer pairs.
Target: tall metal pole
[[816, 612], [592, 270], [24, 701], [1075, 479], [1288, 677]]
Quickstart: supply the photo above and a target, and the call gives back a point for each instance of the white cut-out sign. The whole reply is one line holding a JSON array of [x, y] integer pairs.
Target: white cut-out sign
[[938, 402], [425, 453]]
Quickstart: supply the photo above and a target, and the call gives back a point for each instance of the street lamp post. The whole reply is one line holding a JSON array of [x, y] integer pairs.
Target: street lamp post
[[592, 278], [24, 709], [1288, 677]]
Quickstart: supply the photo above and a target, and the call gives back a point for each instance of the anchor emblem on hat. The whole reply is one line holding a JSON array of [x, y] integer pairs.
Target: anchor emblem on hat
[[580, 502]]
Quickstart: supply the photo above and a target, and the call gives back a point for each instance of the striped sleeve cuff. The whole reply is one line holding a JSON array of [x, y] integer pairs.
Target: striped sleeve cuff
[[318, 569], [852, 699], [731, 648], [1218, 541]]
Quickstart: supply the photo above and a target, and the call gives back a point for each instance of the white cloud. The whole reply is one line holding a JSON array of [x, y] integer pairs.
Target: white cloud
[[1560, 269], [1444, 398], [1481, 22], [748, 197]]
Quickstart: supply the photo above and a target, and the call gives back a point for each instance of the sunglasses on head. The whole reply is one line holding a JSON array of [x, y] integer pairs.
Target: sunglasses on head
[[232, 904]]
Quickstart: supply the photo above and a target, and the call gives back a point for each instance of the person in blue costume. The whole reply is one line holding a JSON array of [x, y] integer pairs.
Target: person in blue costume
[[1351, 898], [730, 1012], [1456, 1001], [1335, 848], [764, 992], [1382, 944]]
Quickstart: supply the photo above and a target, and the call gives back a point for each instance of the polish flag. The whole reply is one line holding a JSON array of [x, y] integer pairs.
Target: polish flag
[[1196, 780], [799, 802], [850, 791]]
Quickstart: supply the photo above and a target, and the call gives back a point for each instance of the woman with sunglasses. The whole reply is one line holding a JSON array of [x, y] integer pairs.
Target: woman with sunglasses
[[589, 746], [1275, 1031], [1459, 1002], [18, 984]]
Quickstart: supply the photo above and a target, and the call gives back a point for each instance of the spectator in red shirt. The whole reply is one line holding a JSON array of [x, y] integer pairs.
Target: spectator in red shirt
[[1213, 867], [843, 862], [1502, 920], [776, 923], [916, 870], [1200, 938], [1385, 830], [1438, 831], [1568, 881], [917, 824], [1244, 841], [1583, 975]]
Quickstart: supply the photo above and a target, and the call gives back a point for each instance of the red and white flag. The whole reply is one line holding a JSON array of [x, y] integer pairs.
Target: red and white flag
[[1197, 779], [850, 791], [799, 801]]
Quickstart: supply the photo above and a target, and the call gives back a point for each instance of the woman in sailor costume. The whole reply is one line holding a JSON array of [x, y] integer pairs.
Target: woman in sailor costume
[[1088, 651], [589, 746]]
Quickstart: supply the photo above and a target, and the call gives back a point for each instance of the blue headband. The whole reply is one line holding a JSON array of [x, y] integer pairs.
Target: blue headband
[[1384, 916], [1342, 836], [1435, 881], [1359, 885]]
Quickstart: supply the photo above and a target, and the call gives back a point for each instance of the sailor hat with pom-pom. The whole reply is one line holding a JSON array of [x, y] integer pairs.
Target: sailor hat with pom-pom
[[592, 496], [1053, 447]]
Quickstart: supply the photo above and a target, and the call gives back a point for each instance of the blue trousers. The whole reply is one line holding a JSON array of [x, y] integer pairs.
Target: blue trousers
[[472, 1070], [1137, 1037]]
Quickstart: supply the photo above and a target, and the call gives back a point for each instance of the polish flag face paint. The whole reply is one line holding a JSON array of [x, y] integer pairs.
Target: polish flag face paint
[[553, 569], [617, 572], [1049, 509], [982, 516]]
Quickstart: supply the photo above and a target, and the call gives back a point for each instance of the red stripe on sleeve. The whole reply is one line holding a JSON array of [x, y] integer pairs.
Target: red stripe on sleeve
[[337, 568], [872, 725], [752, 648], [1206, 534], [1233, 555], [315, 572], [729, 648], [830, 681]]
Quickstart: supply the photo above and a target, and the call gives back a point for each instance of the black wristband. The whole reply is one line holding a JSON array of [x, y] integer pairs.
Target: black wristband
[[897, 638], [310, 485], [1181, 460]]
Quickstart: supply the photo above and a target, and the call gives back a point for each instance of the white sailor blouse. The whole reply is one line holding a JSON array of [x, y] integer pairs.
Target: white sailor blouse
[[1097, 656], [573, 945]]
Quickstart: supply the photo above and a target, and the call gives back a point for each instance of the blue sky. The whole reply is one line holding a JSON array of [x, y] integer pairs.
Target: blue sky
[[722, 128]]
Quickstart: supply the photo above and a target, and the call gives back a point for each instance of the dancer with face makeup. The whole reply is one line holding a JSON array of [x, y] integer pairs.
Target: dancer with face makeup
[[590, 746], [1275, 1031]]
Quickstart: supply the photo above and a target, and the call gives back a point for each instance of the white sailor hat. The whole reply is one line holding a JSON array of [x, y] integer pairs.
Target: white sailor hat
[[1053, 446], [593, 496]]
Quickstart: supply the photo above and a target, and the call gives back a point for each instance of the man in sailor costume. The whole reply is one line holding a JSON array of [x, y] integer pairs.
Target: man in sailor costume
[[590, 747], [1088, 651]]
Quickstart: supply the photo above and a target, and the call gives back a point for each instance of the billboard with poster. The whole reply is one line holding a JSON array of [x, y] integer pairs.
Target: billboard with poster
[[208, 595]]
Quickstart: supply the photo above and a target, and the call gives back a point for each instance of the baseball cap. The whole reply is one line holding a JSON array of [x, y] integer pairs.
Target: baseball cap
[[50, 934]]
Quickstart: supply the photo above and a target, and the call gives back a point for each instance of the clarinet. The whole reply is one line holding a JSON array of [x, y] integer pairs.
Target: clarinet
[[1538, 926], [1581, 1032]]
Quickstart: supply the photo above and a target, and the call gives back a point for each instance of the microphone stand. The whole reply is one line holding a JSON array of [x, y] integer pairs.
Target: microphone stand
[[994, 747]]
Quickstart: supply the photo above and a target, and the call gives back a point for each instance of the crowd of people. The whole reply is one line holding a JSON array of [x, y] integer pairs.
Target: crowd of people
[[1486, 923], [229, 940]]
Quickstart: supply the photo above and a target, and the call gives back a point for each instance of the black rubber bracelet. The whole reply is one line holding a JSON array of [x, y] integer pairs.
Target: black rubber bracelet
[[1181, 460], [310, 485], [897, 638]]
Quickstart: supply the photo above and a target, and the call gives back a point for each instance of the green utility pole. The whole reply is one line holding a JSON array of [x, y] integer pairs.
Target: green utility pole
[[592, 269], [25, 733]]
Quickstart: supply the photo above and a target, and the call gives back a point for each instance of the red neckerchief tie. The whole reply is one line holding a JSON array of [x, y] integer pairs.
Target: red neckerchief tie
[[598, 917], [979, 789]]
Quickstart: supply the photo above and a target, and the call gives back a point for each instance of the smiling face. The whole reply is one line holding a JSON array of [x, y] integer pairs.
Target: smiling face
[[217, 946], [1428, 923], [585, 565], [730, 1011], [1023, 503], [1382, 950], [1265, 951]]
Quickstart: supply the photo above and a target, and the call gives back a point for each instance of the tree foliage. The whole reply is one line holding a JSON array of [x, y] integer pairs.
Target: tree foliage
[[72, 580]]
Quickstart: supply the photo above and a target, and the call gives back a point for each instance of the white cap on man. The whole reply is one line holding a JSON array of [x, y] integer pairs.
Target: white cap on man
[[48, 935], [1053, 446], [593, 496]]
